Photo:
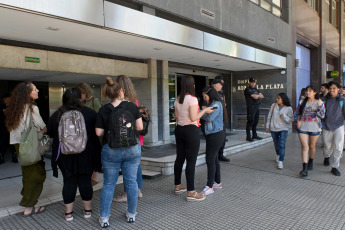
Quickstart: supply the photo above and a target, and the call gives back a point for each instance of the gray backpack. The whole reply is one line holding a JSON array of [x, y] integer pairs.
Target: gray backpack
[[72, 133]]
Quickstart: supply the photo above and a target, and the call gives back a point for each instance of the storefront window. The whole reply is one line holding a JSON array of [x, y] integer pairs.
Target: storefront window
[[255, 1], [276, 11], [276, 2], [265, 5]]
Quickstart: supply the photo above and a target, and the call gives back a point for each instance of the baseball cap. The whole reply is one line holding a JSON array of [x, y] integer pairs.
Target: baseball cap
[[219, 77], [215, 81], [252, 79]]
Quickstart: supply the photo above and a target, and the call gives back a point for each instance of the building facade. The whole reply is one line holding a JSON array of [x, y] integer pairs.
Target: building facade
[[285, 45]]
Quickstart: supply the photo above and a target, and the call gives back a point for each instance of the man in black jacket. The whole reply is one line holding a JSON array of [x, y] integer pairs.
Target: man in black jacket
[[253, 97]]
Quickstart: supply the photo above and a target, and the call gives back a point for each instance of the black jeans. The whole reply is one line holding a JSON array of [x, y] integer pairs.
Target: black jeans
[[214, 142], [221, 149], [252, 119], [70, 185], [187, 148]]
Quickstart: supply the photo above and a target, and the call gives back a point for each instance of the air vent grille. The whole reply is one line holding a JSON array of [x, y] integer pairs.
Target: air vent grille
[[207, 13]]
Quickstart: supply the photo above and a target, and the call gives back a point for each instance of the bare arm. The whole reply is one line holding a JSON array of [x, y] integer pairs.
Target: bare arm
[[99, 132], [139, 124], [194, 115]]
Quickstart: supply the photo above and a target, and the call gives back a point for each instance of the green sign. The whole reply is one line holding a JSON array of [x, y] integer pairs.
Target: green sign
[[334, 74], [32, 59]]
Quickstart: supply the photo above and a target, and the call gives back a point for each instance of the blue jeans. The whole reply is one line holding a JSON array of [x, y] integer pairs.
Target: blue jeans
[[139, 178], [279, 139], [128, 160]]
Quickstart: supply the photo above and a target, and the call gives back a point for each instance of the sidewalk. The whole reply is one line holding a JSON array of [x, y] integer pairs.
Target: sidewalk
[[255, 195]]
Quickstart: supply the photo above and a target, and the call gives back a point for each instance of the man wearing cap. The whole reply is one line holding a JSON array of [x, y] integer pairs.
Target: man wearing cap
[[218, 84], [253, 97]]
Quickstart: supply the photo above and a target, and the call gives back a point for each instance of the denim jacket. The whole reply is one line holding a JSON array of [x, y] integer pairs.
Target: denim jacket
[[214, 121]]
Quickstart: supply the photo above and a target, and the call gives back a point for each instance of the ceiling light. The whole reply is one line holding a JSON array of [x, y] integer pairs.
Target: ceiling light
[[53, 28], [157, 48]]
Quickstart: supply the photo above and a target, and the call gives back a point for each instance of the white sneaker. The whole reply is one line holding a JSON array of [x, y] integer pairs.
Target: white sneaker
[[217, 186], [280, 165], [277, 158], [207, 191], [130, 217], [104, 221]]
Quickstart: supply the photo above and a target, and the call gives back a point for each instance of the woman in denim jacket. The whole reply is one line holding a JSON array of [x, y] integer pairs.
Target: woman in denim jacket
[[214, 137]]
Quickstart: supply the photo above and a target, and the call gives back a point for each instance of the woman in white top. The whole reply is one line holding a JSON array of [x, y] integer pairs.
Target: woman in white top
[[23, 99], [278, 123], [187, 137]]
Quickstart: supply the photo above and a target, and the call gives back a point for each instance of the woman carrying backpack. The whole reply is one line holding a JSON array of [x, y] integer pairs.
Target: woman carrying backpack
[[76, 168], [308, 115], [131, 96], [279, 121], [214, 137], [119, 122], [22, 103], [93, 103]]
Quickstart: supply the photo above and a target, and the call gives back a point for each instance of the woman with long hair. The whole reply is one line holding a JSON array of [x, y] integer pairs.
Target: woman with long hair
[[115, 158], [278, 123], [187, 137], [215, 136], [308, 115], [76, 169], [93, 103], [131, 96], [21, 104]]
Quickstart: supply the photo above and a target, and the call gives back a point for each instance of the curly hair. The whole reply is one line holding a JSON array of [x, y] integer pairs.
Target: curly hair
[[126, 83], [20, 97]]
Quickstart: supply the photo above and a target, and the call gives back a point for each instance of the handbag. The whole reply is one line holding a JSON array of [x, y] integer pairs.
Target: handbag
[[44, 143], [28, 147]]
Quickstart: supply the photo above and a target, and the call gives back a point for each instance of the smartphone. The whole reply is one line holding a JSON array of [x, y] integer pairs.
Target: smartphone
[[213, 108]]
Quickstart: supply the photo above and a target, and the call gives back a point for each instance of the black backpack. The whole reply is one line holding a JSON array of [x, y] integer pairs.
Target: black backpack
[[145, 115], [122, 131]]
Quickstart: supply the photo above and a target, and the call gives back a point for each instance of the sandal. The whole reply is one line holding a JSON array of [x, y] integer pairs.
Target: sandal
[[69, 218], [87, 215], [93, 182], [28, 214], [34, 211]]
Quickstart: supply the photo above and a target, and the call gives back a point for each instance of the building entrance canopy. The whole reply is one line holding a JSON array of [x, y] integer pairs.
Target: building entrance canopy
[[108, 28]]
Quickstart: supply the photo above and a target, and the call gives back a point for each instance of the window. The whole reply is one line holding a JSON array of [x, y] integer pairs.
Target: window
[[334, 13], [273, 6], [314, 4]]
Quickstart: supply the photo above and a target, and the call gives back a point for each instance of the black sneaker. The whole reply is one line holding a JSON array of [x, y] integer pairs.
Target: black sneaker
[[223, 158], [335, 172], [257, 138], [249, 139], [326, 161]]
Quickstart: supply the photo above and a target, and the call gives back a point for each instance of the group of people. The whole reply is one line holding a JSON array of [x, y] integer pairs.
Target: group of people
[[81, 170], [317, 114]]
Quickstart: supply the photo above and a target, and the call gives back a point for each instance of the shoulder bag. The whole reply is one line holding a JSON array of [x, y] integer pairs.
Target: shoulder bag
[[28, 147]]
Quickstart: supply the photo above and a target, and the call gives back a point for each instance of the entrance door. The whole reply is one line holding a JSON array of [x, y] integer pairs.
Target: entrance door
[[302, 70], [174, 91]]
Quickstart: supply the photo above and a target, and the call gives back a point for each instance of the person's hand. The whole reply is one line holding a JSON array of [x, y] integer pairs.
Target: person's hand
[[44, 129], [282, 116], [209, 110], [267, 130], [298, 125], [261, 95], [319, 102]]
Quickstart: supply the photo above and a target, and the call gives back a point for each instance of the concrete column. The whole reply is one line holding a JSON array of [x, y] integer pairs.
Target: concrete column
[[291, 65], [322, 56], [153, 106], [341, 56], [165, 97]]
